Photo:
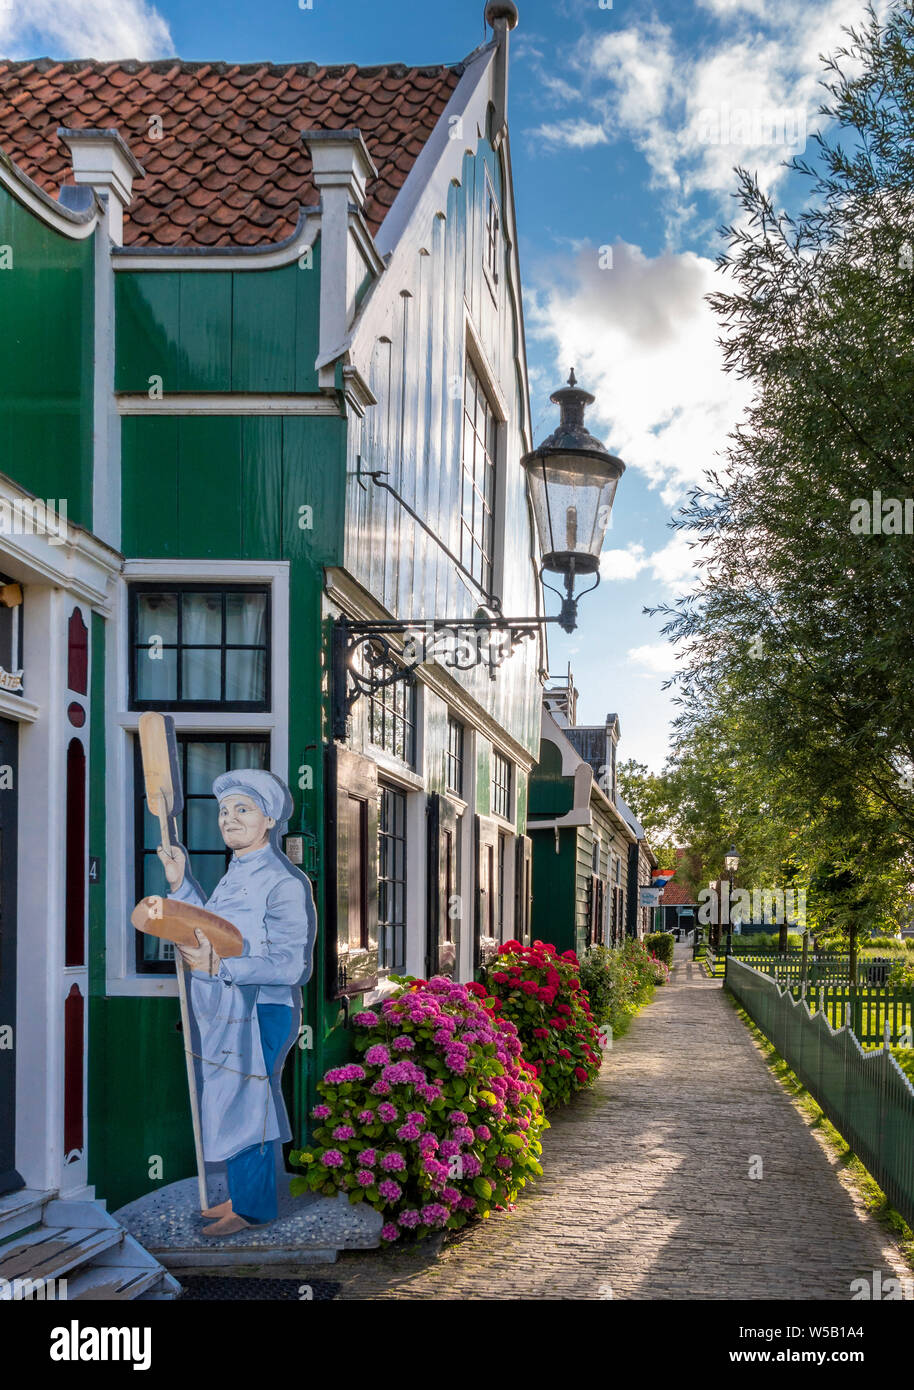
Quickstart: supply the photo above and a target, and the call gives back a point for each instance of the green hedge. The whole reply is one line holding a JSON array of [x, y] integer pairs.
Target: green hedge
[[660, 944]]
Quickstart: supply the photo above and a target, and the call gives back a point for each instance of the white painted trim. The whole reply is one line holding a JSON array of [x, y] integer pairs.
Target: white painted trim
[[83, 564], [75, 225], [473, 345], [227, 403], [106, 434], [122, 978], [227, 257], [18, 708]]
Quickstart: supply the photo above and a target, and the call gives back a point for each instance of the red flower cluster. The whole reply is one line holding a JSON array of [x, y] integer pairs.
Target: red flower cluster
[[540, 992]]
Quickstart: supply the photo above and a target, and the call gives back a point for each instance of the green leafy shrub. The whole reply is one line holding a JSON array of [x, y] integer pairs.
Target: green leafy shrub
[[541, 993], [438, 1122], [660, 944], [618, 982]]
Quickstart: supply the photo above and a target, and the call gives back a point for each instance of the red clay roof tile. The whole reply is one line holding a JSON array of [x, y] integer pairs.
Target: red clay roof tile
[[227, 130]]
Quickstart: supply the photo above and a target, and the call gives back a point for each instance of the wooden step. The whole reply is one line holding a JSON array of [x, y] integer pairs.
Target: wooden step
[[21, 1210], [122, 1282], [49, 1252]]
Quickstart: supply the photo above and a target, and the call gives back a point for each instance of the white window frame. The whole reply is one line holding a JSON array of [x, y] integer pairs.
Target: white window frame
[[122, 976]]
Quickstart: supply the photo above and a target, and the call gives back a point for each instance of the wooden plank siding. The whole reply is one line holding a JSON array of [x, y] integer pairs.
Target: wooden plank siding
[[415, 432]]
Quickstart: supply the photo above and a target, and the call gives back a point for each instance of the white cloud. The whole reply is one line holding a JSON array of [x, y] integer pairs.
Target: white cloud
[[623, 564], [644, 341], [644, 83], [674, 565], [574, 134], [657, 657], [84, 29]]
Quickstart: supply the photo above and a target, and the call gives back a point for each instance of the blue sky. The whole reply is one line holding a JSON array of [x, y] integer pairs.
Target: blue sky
[[626, 122]]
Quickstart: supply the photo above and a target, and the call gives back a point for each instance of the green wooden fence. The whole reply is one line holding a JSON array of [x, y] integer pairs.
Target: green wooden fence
[[823, 968], [865, 1094]]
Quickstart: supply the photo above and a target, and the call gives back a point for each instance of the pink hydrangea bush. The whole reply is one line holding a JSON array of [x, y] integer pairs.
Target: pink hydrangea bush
[[440, 1119]]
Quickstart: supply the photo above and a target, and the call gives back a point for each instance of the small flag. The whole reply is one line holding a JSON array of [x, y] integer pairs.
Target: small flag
[[661, 877]]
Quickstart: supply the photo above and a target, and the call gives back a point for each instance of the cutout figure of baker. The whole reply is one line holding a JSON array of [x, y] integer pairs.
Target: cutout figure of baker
[[247, 1009]]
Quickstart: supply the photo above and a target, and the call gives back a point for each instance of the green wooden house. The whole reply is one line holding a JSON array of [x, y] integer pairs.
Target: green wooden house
[[582, 840], [265, 354]]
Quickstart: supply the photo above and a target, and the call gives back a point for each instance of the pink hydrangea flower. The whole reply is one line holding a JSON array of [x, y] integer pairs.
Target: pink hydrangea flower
[[377, 1055], [343, 1132], [408, 1132], [391, 1191], [332, 1159], [457, 1117], [503, 1161], [367, 1158], [451, 1196], [364, 1178], [409, 1218], [389, 1231], [471, 1166], [483, 1132], [367, 1117], [381, 1087], [366, 1019], [403, 1043], [393, 1162], [434, 1214], [320, 1112], [387, 1112]]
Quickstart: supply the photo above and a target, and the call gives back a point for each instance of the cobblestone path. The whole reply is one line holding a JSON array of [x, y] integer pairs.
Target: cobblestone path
[[647, 1191]]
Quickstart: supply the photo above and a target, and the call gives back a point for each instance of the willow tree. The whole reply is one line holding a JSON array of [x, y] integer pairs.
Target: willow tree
[[800, 633]]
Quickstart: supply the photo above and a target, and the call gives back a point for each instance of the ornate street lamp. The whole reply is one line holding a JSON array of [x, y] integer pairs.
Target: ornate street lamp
[[731, 864], [572, 479], [572, 482]]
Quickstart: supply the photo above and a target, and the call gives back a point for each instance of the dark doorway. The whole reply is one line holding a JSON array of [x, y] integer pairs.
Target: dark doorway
[[10, 1180]]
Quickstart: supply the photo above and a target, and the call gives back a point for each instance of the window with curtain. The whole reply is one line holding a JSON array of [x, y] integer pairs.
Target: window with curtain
[[199, 647]]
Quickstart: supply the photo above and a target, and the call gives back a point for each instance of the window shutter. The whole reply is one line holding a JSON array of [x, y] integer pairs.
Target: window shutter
[[485, 941], [523, 888], [351, 902], [443, 950]]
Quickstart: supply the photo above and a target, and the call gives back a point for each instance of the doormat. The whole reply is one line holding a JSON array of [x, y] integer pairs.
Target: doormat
[[216, 1287]]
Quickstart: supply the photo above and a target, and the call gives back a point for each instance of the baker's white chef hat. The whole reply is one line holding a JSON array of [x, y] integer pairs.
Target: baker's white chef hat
[[269, 791]]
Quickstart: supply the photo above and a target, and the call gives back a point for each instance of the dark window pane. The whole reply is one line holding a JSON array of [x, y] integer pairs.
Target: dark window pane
[[157, 616], [246, 619], [156, 673], [245, 675], [201, 674], [202, 619]]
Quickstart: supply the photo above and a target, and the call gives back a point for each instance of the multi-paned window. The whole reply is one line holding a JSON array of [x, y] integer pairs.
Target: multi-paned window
[[500, 887], [199, 646], [501, 785], [201, 759], [491, 234], [480, 432], [392, 716], [454, 768], [391, 878]]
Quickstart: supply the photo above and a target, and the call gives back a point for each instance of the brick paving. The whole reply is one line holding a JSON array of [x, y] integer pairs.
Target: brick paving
[[647, 1191]]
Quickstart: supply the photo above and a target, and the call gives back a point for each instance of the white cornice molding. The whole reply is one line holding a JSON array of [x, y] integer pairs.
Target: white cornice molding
[[82, 564], [227, 403], [76, 225], [18, 708], [346, 594], [224, 257]]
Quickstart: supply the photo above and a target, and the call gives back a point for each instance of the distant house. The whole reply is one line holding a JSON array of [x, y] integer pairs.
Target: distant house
[[641, 862], [590, 853], [678, 905]]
